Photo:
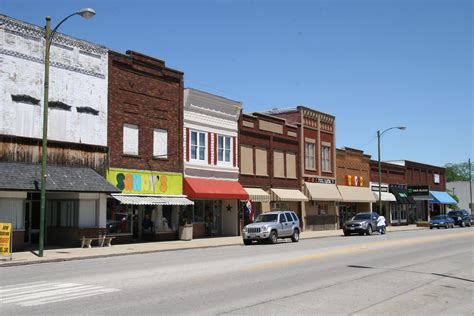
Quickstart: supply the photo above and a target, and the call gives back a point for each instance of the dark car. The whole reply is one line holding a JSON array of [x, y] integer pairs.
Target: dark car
[[362, 223], [441, 221], [471, 217], [460, 217]]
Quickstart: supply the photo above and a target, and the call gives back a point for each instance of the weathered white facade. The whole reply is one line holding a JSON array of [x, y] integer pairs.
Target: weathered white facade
[[77, 90]]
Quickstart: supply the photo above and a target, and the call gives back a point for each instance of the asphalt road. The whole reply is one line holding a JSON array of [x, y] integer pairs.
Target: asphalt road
[[417, 272]]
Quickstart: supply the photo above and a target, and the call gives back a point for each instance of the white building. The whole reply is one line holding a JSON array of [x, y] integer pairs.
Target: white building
[[211, 169], [461, 190], [77, 133]]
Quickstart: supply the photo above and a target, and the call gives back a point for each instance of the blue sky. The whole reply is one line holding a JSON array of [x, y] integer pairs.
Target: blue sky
[[373, 64]]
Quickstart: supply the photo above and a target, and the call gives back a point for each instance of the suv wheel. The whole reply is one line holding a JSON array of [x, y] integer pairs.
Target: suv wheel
[[247, 242], [296, 236], [346, 233], [462, 224], [468, 224], [369, 231], [273, 237]]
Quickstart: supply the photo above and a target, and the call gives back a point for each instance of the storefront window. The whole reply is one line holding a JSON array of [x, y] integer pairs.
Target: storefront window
[[120, 219], [62, 213], [198, 211], [12, 211]]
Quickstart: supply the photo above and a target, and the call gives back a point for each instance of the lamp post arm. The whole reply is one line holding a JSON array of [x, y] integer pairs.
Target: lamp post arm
[[383, 132], [50, 36]]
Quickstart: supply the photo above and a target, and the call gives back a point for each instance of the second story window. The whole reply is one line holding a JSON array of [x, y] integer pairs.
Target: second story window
[[224, 149], [326, 158], [309, 156], [160, 143], [198, 146], [130, 139]]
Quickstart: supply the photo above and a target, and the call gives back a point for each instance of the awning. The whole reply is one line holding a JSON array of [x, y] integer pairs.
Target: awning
[[27, 177], [214, 189], [386, 197], [322, 192], [288, 195], [440, 197], [257, 195], [356, 194], [152, 199], [401, 195]]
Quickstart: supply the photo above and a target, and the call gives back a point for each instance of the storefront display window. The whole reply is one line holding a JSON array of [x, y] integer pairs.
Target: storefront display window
[[12, 211], [62, 213], [120, 219]]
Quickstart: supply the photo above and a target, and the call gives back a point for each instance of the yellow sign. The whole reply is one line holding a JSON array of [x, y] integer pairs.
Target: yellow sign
[[5, 239], [146, 182]]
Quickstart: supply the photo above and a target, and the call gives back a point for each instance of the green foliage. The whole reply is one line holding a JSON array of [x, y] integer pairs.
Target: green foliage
[[457, 172], [455, 197]]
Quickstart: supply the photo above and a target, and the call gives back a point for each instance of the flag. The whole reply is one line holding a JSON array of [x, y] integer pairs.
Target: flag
[[248, 205]]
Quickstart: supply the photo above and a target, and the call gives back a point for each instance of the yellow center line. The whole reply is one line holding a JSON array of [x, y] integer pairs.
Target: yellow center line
[[357, 248]]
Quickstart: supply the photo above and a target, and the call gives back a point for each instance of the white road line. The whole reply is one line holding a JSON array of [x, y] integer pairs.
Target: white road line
[[46, 287], [16, 287], [38, 293], [68, 297]]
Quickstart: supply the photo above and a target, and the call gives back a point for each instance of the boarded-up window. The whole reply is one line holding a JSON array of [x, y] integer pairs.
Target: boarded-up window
[[291, 165], [278, 164], [160, 143], [246, 160], [261, 162], [130, 139]]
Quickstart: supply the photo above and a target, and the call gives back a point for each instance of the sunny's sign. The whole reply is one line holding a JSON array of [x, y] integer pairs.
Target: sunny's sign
[[146, 182]]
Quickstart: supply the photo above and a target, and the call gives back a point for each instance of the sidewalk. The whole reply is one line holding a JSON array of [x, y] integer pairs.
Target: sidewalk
[[66, 254]]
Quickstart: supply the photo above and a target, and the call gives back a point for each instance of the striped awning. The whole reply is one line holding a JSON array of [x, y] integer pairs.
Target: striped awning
[[152, 199], [257, 195], [386, 196], [287, 195]]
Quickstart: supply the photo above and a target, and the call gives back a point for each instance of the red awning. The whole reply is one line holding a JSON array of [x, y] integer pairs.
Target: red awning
[[214, 189]]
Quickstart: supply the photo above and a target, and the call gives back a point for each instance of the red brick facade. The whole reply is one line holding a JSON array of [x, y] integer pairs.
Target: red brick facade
[[144, 92], [352, 163], [412, 173], [318, 127], [287, 142]]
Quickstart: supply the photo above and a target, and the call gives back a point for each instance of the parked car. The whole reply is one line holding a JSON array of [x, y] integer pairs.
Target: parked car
[[271, 226], [441, 221], [460, 217], [361, 223]]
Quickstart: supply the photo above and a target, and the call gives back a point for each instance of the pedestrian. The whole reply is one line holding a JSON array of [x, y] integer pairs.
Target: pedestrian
[[381, 224]]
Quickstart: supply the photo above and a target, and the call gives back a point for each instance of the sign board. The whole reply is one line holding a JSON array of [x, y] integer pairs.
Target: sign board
[[146, 182], [436, 178], [320, 180], [5, 239], [418, 190]]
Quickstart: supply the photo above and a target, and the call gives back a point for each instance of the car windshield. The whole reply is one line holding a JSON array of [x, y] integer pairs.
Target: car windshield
[[266, 218], [440, 217], [455, 213], [361, 216]]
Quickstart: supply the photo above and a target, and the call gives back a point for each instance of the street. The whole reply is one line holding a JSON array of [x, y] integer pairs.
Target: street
[[413, 272]]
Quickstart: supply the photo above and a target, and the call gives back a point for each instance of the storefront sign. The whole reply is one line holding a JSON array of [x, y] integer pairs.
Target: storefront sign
[[320, 180], [5, 239], [356, 181], [418, 190], [146, 182]]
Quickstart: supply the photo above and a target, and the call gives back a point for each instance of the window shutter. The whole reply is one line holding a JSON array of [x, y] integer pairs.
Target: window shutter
[[188, 145]]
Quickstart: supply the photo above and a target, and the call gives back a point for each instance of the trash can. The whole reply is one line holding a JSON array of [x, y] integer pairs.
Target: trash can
[[186, 232]]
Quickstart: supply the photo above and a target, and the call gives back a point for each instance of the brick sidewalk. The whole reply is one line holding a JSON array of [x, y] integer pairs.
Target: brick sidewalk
[[66, 254]]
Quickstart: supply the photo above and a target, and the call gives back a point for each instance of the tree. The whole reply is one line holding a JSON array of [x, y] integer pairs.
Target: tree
[[457, 172], [455, 197]]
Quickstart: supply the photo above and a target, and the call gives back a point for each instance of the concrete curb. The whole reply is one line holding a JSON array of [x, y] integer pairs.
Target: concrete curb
[[43, 261]]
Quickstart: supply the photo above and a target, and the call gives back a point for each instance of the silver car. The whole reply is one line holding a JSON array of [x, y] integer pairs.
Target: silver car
[[271, 226]]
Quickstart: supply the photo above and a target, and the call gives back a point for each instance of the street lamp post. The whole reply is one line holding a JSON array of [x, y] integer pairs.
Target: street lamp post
[[379, 134], [86, 13]]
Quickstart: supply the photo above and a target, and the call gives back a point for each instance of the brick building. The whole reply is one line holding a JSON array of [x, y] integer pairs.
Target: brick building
[[420, 174], [145, 123], [77, 134], [270, 163], [353, 174], [317, 141]]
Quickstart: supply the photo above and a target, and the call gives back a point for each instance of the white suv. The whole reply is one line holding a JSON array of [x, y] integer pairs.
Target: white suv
[[271, 226]]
